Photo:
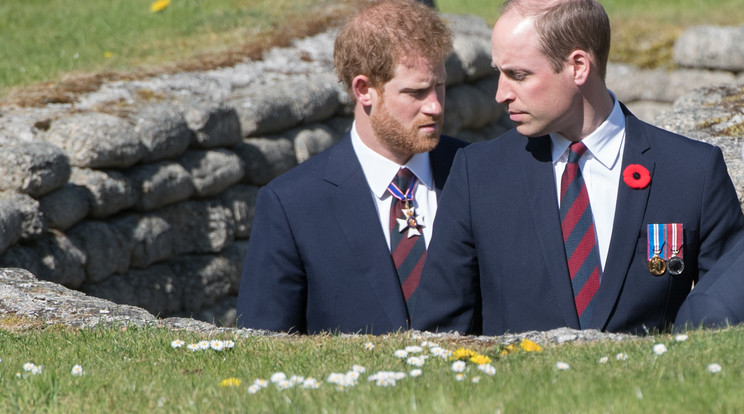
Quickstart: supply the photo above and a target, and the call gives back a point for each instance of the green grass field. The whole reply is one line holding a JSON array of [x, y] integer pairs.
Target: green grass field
[[138, 370], [57, 42]]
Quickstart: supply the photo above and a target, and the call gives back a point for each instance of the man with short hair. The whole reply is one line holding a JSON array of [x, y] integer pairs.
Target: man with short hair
[[582, 216], [338, 243]]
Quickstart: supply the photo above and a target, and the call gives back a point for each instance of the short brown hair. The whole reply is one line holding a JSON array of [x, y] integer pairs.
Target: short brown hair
[[382, 34], [568, 25]]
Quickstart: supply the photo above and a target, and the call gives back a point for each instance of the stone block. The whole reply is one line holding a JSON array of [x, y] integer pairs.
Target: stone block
[[109, 192], [216, 125], [63, 208], [212, 171], [711, 47], [96, 140], [279, 106], [159, 184], [150, 237], [265, 158], [53, 258], [241, 200], [155, 289], [107, 251], [200, 226], [34, 168], [163, 131]]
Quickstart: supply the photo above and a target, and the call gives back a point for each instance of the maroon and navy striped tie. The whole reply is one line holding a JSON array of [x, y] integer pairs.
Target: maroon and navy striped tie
[[577, 224], [408, 253]]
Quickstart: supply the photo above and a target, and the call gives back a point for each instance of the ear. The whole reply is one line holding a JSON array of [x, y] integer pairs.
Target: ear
[[363, 90], [580, 64]]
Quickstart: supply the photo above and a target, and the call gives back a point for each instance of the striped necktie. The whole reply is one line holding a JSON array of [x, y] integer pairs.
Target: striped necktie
[[577, 225], [407, 244]]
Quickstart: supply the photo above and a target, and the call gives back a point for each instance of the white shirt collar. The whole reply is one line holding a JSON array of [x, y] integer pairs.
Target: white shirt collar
[[380, 171], [604, 143]]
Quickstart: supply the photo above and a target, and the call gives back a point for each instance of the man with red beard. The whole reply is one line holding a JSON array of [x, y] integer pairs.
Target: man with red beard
[[338, 243]]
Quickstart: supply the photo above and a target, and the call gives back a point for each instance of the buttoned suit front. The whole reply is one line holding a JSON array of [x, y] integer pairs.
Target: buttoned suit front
[[317, 258], [496, 262]]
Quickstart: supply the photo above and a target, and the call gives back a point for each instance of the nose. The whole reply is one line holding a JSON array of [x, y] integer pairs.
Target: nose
[[434, 105], [503, 92]]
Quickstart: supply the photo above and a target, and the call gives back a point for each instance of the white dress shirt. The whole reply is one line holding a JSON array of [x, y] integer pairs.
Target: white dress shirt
[[601, 167], [380, 171]]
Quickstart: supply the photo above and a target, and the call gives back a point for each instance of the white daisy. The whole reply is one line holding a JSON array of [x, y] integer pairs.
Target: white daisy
[[458, 366], [621, 356], [660, 349], [714, 368], [416, 361], [278, 377], [487, 369], [217, 345], [562, 365], [253, 388], [401, 353], [603, 360], [28, 366], [77, 370], [680, 338], [415, 372], [440, 352], [414, 349], [229, 344], [192, 347], [369, 346], [310, 383], [460, 376], [177, 343]]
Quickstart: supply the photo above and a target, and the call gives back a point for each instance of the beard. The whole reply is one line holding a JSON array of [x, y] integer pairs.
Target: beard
[[401, 139]]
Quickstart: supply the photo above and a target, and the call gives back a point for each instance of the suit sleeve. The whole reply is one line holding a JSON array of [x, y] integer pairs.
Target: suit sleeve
[[273, 288], [718, 296], [449, 298], [721, 220]]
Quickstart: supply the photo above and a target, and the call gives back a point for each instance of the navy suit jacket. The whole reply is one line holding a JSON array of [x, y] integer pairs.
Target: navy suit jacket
[[718, 299], [496, 262], [317, 258]]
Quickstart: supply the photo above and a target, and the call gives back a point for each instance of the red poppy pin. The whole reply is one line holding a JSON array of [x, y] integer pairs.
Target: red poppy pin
[[636, 176]]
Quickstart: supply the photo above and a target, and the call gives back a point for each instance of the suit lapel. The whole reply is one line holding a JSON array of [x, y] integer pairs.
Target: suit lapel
[[629, 213], [350, 201], [547, 221]]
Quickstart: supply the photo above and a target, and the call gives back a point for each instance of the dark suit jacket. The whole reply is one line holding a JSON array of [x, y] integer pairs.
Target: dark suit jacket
[[317, 257], [718, 299], [496, 262]]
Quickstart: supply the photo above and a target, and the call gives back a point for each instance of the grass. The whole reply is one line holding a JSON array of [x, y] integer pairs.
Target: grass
[[75, 45], [137, 370], [54, 49]]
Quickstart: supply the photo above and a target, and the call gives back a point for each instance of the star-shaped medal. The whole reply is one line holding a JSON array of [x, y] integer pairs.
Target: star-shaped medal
[[412, 222]]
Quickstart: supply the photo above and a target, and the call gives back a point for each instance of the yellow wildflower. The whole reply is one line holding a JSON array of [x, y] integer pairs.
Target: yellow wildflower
[[509, 349], [462, 353], [530, 346], [108, 55], [230, 382], [480, 359], [159, 5]]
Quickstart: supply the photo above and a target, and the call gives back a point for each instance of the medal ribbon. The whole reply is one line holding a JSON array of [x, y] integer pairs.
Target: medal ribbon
[[676, 243], [657, 240], [397, 193]]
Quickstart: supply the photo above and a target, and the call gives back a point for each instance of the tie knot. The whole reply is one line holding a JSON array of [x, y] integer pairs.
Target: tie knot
[[403, 179], [575, 151]]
